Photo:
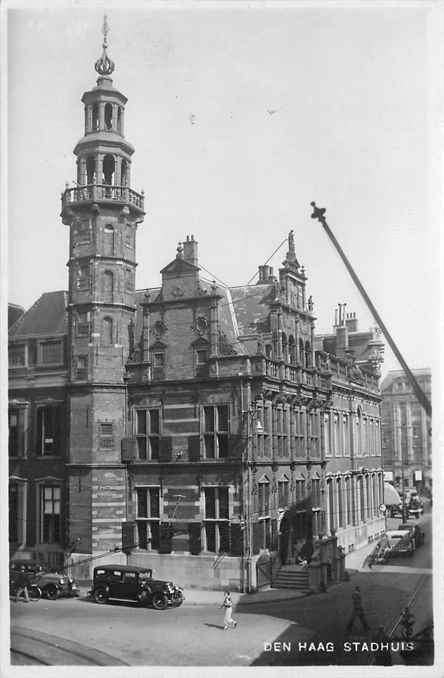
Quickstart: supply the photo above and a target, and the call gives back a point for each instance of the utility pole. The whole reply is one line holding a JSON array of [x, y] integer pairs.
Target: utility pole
[[319, 214]]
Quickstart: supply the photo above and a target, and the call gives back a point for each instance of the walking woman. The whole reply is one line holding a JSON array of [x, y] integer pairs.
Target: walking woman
[[228, 605]]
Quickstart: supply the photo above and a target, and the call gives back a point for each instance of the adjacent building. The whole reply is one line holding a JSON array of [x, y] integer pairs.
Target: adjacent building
[[199, 429], [406, 431]]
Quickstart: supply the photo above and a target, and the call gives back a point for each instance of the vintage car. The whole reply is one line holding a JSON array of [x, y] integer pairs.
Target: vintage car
[[415, 531], [400, 541], [135, 584], [52, 584]]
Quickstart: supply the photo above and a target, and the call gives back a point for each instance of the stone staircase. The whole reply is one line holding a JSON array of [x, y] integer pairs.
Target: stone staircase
[[291, 577]]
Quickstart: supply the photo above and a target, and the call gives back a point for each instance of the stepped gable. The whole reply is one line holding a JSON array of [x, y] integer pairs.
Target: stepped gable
[[46, 317]]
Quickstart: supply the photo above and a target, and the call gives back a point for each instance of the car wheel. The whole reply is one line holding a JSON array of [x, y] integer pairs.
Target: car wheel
[[35, 592], [100, 595], [50, 592], [159, 601]]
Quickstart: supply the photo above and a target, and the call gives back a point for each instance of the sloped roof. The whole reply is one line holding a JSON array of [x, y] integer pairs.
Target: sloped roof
[[250, 303], [14, 312], [46, 317], [392, 375]]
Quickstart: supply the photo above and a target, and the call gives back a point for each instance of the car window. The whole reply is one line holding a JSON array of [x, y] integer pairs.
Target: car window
[[129, 577], [115, 575]]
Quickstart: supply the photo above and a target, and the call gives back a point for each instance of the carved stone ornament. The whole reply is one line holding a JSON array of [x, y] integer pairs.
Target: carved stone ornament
[[177, 291], [159, 328]]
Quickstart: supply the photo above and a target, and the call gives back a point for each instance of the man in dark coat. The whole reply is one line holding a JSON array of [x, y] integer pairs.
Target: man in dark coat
[[358, 611]]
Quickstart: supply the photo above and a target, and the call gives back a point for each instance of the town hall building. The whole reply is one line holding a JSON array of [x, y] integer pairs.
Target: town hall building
[[204, 431]]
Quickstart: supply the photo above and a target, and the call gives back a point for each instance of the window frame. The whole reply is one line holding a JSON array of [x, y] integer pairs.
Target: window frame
[[212, 439], [148, 440], [145, 524], [57, 440], [218, 523]]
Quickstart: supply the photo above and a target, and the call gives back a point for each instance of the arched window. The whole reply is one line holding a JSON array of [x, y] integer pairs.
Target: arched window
[[107, 331], [108, 116], [109, 166], [95, 118], [124, 173], [119, 120], [268, 350], [108, 241], [90, 170], [108, 282], [307, 354], [358, 432]]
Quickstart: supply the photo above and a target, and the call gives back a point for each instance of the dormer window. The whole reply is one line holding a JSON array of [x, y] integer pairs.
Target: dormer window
[[201, 357], [51, 353]]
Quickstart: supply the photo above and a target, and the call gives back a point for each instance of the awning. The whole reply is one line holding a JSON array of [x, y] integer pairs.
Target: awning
[[391, 496]]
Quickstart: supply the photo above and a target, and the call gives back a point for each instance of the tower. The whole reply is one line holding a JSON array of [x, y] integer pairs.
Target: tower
[[102, 212]]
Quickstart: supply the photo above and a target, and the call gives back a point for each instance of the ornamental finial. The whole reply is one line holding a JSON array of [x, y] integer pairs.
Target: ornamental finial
[[104, 65]]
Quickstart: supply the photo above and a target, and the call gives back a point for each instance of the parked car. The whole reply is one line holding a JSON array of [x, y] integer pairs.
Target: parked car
[[415, 531], [53, 585], [400, 541], [136, 584], [395, 511]]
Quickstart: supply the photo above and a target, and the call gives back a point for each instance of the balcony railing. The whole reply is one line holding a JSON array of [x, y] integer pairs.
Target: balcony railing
[[95, 192]]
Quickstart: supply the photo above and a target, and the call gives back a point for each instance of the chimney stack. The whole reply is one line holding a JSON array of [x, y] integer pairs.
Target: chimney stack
[[190, 250], [265, 274], [351, 322]]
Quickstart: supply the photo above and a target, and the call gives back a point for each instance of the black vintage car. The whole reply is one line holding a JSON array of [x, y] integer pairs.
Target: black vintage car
[[52, 584], [135, 584]]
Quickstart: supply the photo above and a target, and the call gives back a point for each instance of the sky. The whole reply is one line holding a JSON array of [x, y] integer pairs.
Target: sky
[[240, 117]]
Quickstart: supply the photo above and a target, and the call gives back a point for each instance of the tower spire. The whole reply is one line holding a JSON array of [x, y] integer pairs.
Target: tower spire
[[104, 65]]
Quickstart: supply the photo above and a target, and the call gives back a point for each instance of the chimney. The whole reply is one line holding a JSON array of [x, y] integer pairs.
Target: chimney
[[351, 322], [190, 250], [265, 274]]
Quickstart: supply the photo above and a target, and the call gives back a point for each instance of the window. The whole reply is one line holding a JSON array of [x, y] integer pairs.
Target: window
[[283, 492], [82, 282], [83, 232], [159, 359], [82, 367], [348, 499], [336, 439], [340, 503], [201, 357], [51, 352], [148, 517], [300, 433], [50, 514], [261, 428], [216, 519], [327, 435], [17, 356], [16, 421], [107, 331], [280, 431], [108, 286], [300, 490], [108, 116], [106, 436], [316, 492], [313, 437], [148, 433], [129, 280], [263, 500], [345, 435], [128, 235], [82, 324], [215, 426], [49, 430]]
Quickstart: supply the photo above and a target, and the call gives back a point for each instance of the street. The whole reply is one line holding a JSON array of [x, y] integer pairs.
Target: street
[[193, 634]]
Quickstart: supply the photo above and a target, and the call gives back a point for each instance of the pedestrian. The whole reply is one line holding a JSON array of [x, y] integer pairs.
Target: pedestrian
[[383, 655], [228, 605], [358, 611], [22, 582]]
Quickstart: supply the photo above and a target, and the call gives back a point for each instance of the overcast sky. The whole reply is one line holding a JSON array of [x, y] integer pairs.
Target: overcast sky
[[240, 117]]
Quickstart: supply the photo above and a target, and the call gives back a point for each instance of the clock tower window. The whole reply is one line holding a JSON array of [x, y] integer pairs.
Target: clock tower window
[[109, 166], [108, 116]]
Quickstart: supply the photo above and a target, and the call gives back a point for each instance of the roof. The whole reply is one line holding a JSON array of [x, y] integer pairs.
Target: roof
[[250, 303], [396, 374], [47, 317], [14, 312]]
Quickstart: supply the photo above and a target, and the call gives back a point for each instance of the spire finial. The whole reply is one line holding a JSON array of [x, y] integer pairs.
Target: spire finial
[[104, 65]]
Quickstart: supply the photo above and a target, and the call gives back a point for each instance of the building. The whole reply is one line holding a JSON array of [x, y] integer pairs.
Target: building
[[202, 430], [406, 431]]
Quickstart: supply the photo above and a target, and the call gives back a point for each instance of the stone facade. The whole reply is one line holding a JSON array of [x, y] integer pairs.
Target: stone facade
[[406, 432]]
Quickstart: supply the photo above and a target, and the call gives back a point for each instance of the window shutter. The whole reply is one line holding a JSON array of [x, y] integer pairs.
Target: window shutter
[[165, 538], [194, 448], [257, 537], [236, 539], [194, 530], [166, 448], [236, 444]]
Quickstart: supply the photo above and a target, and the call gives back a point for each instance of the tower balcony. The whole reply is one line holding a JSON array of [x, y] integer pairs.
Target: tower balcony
[[103, 193]]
